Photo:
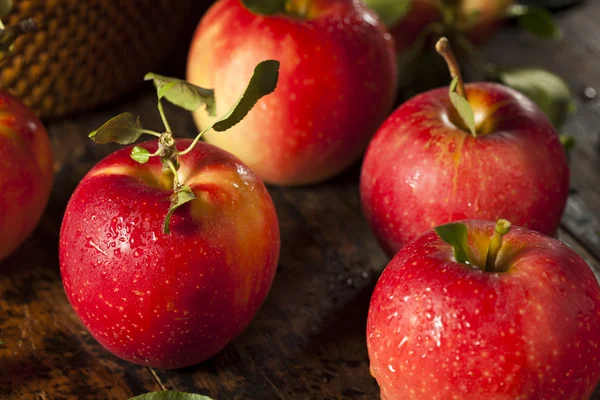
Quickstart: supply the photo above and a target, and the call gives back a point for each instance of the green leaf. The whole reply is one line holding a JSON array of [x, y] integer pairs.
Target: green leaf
[[536, 20], [545, 89], [5, 7], [568, 142], [123, 129], [181, 196], [140, 154], [182, 93], [263, 82], [390, 11], [265, 7], [455, 234], [170, 396], [463, 107]]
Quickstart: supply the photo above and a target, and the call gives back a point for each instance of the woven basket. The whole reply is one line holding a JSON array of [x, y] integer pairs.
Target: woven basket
[[88, 52]]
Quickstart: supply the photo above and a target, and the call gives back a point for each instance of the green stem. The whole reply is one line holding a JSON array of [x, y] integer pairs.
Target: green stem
[[163, 117], [191, 146], [149, 132], [502, 228]]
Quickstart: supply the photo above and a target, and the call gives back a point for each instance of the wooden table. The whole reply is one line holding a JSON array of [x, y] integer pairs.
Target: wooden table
[[308, 340]]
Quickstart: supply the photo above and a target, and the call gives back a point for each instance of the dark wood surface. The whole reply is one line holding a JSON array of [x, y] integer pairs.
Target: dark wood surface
[[308, 340]]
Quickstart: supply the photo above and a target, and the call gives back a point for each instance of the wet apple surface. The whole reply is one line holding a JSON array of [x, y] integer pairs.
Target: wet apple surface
[[440, 329], [27, 173], [168, 300], [308, 340], [422, 169]]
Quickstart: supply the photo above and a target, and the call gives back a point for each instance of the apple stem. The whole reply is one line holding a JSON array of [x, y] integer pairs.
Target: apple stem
[[297, 7], [163, 117], [150, 132], [443, 48], [502, 228]]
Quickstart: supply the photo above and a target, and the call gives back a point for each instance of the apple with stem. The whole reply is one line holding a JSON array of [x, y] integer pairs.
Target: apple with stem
[[168, 248], [337, 84], [472, 311], [482, 151]]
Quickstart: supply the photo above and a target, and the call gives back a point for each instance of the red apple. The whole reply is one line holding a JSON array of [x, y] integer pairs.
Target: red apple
[[337, 83], [477, 20], [480, 19], [420, 15], [168, 300], [527, 329], [422, 169], [26, 170]]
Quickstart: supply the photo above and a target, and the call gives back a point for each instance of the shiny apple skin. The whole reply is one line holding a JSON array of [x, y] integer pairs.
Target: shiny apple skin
[[27, 172], [421, 171], [337, 84], [168, 300], [438, 329]]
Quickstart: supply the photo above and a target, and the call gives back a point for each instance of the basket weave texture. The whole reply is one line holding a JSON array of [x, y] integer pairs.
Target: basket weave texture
[[87, 52]]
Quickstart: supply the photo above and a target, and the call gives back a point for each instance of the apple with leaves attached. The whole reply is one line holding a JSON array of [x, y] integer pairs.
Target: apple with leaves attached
[[168, 248], [472, 311], [337, 82], [482, 151]]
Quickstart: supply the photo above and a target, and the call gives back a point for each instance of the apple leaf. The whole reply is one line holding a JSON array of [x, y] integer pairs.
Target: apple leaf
[[140, 154], [183, 94], [568, 142], [265, 7], [544, 88], [5, 7], [463, 107], [536, 20], [123, 129], [170, 396], [263, 82], [181, 196], [455, 234], [390, 11]]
